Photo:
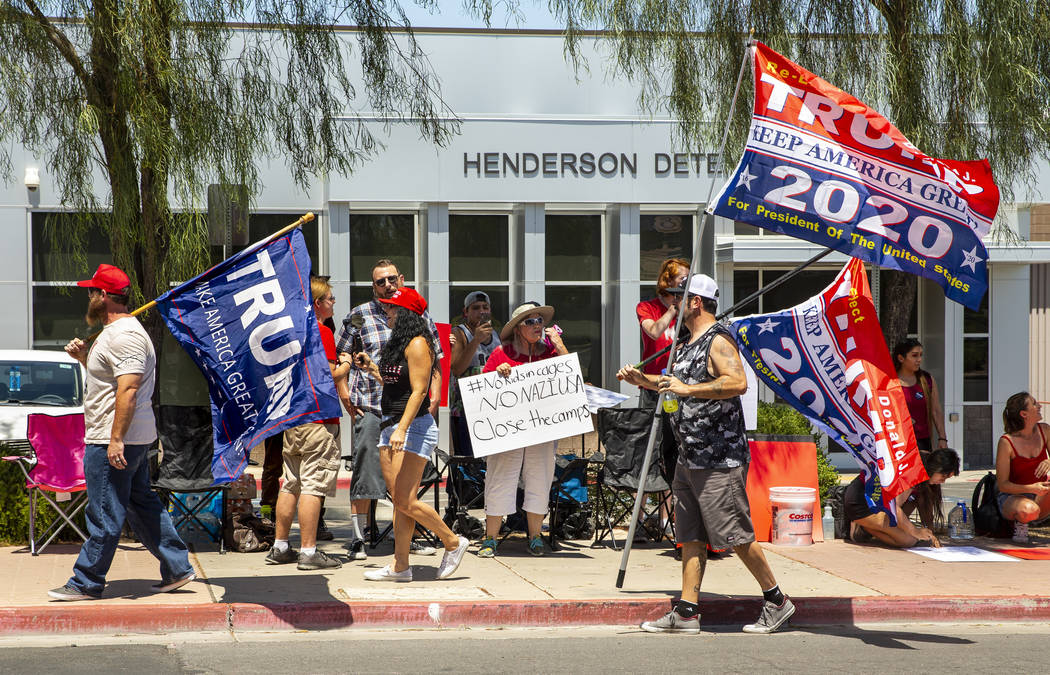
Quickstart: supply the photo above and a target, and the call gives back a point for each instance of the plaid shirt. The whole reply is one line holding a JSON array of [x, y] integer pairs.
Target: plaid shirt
[[366, 392]]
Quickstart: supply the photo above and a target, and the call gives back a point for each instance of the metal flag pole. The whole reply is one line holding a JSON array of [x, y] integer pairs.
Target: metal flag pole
[[302, 220], [708, 218]]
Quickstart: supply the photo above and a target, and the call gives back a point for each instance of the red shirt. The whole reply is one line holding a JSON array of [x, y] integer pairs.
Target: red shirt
[[328, 340], [916, 401], [654, 309], [506, 353]]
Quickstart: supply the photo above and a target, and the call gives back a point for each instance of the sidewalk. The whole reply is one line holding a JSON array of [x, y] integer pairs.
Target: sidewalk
[[831, 583]]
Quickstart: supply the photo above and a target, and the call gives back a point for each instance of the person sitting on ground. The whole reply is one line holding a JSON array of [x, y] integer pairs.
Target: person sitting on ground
[[869, 522], [1022, 464], [524, 341]]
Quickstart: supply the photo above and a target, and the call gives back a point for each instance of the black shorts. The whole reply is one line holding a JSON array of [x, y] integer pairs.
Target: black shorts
[[855, 504]]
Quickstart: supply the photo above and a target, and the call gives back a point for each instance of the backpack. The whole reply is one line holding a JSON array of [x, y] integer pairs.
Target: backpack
[[249, 533], [987, 521]]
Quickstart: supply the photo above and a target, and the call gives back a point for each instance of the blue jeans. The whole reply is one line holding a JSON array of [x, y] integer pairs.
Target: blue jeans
[[113, 496]]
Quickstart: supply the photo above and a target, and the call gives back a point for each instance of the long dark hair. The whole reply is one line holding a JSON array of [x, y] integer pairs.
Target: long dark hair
[[1012, 420], [407, 326], [901, 351], [928, 498]]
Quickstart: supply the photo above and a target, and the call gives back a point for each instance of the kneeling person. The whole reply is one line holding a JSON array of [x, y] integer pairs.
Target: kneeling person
[[711, 504]]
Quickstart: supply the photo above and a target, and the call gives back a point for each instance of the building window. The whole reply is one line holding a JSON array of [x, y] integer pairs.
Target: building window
[[802, 287], [573, 252], [262, 225], [662, 236], [975, 353], [374, 236], [479, 260]]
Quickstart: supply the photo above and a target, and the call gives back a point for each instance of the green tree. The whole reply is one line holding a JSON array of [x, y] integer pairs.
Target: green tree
[[963, 79], [163, 97]]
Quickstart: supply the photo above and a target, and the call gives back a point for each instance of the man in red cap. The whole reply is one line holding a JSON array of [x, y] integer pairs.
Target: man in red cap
[[119, 429]]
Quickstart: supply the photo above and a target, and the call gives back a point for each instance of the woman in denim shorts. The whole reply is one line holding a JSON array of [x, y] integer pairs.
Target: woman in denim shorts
[[408, 433]]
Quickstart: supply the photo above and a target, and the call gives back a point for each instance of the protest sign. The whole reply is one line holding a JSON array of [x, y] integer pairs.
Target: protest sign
[[538, 402]]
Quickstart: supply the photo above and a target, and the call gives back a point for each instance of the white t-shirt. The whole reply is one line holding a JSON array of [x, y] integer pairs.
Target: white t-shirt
[[123, 348]]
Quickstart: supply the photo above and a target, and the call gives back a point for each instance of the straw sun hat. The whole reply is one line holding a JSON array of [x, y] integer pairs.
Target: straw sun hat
[[522, 311]]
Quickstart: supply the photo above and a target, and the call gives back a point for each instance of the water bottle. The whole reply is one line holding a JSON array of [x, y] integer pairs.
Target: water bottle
[[828, 522], [960, 522], [14, 379], [670, 399]]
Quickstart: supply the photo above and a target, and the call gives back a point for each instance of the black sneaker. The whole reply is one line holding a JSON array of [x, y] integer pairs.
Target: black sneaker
[[318, 560], [323, 533], [275, 557], [69, 593]]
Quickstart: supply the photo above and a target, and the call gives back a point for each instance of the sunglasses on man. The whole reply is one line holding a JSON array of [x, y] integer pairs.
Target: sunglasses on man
[[383, 281]]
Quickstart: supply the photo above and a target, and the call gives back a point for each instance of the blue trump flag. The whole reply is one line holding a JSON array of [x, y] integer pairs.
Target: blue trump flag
[[249, 325]]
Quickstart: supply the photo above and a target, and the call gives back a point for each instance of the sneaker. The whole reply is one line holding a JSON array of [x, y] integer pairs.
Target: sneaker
[[318, 560], [357, 550], [388, 574], [488, 548], [323, 533], [166, 586], [672, 622], [1020, 533], [772, 617], [536, 546], [422, 549], [69, 593], [288, 555], [451, 560]]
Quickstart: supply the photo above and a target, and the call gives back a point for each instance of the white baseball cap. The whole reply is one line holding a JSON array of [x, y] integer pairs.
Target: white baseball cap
[[701, 285]]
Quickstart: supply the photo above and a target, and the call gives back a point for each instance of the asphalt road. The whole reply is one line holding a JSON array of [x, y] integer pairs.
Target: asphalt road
[[917, 648]]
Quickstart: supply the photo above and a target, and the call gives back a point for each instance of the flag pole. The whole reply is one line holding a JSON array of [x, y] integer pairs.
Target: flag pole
[[302, 220], [708, 218], [751, 298]]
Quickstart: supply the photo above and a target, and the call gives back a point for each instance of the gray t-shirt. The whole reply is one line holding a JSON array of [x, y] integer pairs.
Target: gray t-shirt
[[123, 348]]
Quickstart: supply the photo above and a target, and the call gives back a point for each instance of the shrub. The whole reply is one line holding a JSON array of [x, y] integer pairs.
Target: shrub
[[781, 419], [14, 508]]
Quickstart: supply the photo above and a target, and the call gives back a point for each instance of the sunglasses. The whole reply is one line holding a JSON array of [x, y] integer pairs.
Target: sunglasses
[[534, 321], [383, 281]]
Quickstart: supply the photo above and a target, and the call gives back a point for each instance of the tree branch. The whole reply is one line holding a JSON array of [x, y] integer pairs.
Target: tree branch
[[62, 44]]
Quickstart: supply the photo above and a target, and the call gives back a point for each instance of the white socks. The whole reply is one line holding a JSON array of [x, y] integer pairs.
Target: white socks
[[357, 524], [308, 551], [280, 545]]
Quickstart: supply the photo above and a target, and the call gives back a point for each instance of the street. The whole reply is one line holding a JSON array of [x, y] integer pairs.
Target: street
[[916, 648]]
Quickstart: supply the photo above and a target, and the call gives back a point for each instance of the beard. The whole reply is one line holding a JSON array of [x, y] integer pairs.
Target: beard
[[96, 311]]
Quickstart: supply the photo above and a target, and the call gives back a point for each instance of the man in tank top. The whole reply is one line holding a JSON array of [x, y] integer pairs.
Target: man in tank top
[[711, 504], [475, 341]]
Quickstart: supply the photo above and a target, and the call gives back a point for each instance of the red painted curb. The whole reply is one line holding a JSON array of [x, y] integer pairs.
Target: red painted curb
[[99, 618], [129, 618]]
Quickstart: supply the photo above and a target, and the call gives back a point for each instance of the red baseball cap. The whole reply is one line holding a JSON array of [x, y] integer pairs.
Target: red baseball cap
[[407, 298], [109, 279]]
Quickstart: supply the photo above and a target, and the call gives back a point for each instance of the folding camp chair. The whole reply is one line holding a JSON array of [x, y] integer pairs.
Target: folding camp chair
[[186, 440], [624, 434], [54, 464], [465, 486]]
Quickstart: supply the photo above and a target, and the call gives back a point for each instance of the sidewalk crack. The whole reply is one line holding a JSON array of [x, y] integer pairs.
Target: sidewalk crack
[[539, 588]]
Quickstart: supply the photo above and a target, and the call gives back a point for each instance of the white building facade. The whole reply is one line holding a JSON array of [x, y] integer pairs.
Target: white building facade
[[558, 189]]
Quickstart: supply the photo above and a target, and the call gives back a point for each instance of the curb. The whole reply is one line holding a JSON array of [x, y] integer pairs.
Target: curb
[[60, 618]]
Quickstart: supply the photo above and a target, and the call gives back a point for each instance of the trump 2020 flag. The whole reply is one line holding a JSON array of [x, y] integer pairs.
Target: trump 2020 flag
[[249, 325], [828, 359], [822, 166]]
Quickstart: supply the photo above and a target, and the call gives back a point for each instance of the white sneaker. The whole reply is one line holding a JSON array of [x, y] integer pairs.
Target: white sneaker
[[1020, 533], [451, 560], [388, 574], [167, 586]]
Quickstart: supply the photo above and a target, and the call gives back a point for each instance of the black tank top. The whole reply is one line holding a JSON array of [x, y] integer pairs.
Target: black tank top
[[397, 388]]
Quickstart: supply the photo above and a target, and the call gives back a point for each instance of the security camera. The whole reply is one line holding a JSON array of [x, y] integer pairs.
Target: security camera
[[32, 179]]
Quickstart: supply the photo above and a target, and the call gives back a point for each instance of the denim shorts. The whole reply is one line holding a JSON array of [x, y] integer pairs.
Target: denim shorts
[[421, 439]]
